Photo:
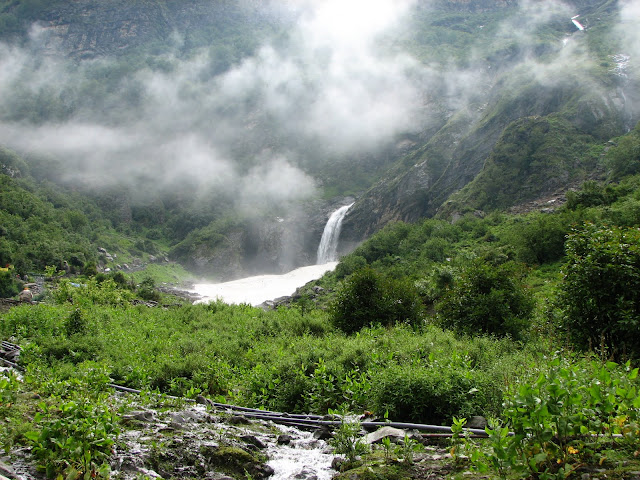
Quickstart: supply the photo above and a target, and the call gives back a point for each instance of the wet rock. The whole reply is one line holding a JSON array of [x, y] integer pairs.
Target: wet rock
[[477, 421], [337, 463], [396, 435], [217, 476], [253, 440], [130, 463], [264, 471], [306, 474], [239, 420], [284, 439], [6, 471], [139, 415], [188, 416], [235, 461], [323, 433]]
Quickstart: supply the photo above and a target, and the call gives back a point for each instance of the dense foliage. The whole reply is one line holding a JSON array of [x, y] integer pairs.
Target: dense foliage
[[367, 299], [405, 298], [514, 317], [486, 299], [601, 289]]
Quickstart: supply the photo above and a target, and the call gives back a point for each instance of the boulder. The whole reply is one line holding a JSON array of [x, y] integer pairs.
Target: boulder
[[396, 434]]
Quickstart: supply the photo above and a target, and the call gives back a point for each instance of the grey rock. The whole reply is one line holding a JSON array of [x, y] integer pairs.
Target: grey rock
[[323, 433], [253, 440], [306, 474], [337, 463], [284, 439], [140, 415], [239, 420], [396, 435], [477, 422]]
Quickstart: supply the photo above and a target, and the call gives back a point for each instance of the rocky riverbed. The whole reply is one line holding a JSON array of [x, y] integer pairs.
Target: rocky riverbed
[[172, 438]]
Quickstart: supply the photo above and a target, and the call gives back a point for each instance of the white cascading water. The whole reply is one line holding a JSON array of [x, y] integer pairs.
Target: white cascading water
[[328, 248], [255, 290]]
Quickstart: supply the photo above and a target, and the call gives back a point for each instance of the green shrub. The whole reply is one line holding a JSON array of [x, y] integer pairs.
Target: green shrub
[[147, 290], [348, 441], [565, 419], [75, 323], [9, 287], [90, 269], [348, 265], [433, 394], [75, 432], [600, 290], [486, 299], [368, 298], [624, 158], [540, 239]]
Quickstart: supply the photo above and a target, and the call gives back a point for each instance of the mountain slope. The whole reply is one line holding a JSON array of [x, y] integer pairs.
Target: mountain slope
[[552, 110], [230, 130]]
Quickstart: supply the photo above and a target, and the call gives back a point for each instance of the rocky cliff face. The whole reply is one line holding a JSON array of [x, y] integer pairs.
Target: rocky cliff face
[[514, 78], [90, 28], [579, 102], [268, 244]]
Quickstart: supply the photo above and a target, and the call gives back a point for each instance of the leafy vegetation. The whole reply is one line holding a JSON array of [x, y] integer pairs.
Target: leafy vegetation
[[573, 414], [486, 299], [517, 318], [441, 320], [600, 289], [76, 426], [367, 299]]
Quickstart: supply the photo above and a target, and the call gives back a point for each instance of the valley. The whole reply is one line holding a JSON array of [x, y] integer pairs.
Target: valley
[[417, 212]]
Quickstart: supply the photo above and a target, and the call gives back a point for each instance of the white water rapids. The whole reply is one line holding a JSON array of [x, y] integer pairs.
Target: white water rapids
[[305, 457], [258, 289]]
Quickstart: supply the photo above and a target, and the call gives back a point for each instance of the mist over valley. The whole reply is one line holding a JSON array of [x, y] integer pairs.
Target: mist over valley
[[233, 129]]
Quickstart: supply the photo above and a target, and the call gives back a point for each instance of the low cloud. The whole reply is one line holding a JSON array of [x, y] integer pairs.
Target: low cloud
[[330, 88], [628, 28], [327, 85]]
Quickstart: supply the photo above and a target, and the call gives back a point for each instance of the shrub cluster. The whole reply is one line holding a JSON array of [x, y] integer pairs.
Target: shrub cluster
[[486, 299], [600, 291], [368, 298]]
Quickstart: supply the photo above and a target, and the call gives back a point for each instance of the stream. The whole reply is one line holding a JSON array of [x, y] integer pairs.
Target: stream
[[258, 289]]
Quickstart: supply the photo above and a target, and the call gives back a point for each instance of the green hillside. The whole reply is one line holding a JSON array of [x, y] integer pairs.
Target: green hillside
[[491, 266]]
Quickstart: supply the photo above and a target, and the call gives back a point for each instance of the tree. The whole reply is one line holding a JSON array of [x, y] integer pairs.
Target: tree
[[486, 299], [8, 285], [600, 290], [624, 158], [369, 298]]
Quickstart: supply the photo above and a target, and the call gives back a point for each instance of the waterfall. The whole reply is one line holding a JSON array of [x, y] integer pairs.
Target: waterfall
[[328, 248]]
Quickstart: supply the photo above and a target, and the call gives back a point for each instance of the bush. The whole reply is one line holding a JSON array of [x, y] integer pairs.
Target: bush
[[75, 323], [541, 238], [600, 291], [624, 158], [368, 298], [8, 286], [563, 420], [433, 395], [486, 299], [147, 290]]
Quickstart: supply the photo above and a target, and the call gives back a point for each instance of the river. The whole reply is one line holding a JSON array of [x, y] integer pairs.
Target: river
[[258, 289]]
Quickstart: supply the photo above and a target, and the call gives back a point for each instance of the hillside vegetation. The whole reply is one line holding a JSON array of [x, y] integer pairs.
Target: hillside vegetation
[[223, 94], [428, 322], [492, 264]]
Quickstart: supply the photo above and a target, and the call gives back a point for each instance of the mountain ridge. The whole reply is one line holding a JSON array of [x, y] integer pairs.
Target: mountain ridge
[[483, 71]]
